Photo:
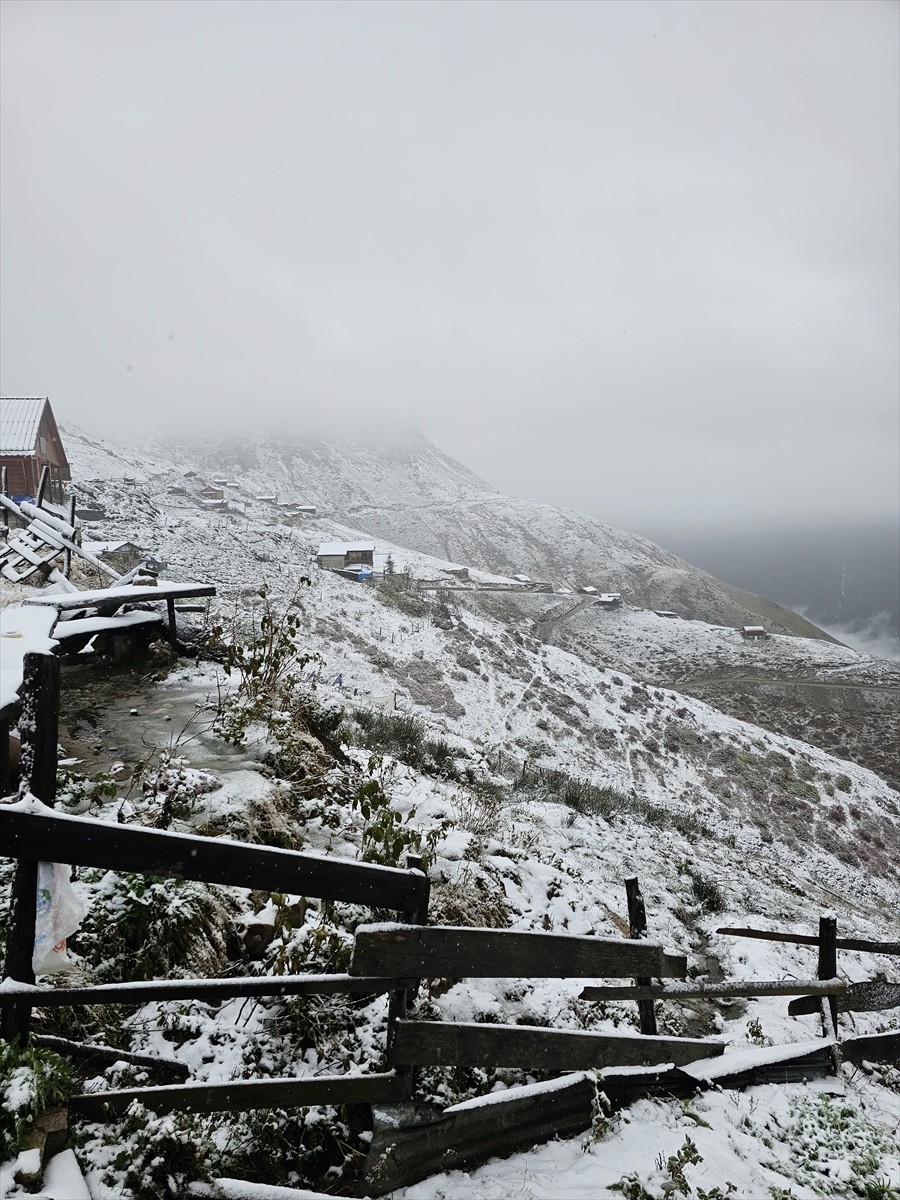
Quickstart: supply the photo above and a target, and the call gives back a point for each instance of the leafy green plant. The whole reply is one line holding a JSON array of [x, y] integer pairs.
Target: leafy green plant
[[265, 655], [387, 835], [33, 1081]]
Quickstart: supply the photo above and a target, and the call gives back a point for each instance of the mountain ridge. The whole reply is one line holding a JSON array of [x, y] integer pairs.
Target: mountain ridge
[[409, 491]]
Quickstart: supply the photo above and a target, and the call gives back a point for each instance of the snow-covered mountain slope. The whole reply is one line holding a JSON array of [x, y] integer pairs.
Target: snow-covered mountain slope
[[563, 773], [481, 674], [409, 492], [418, 499]]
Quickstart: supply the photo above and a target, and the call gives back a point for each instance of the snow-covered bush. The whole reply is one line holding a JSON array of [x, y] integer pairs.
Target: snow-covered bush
[[31, 1081], [141, 927]]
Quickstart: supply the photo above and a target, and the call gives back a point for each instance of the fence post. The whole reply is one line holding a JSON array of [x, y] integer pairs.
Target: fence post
[[42, 487], [39, 730], [828, 970], [399, 1003], [67, 569], [637, 923]]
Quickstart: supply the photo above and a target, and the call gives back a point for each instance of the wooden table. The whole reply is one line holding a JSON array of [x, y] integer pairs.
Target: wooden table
[[104, 602]]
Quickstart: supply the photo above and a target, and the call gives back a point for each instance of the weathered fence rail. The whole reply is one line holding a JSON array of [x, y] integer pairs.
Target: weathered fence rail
[[438, 951], [811, 939], [240, 1095], [86, 842], [501, 1123], [202, 989], [473, 1043], [726, 988]]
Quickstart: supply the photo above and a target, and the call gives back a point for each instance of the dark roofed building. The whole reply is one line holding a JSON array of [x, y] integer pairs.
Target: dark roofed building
[[30, 441]]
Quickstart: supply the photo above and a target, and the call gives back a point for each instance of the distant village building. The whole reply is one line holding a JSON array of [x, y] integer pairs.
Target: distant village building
[[459, 572], [337, 556], [609, 599], [30, 441], [587, 590], [664, 612], [120, 555], [307, 510], [212, 493], [753, 631]]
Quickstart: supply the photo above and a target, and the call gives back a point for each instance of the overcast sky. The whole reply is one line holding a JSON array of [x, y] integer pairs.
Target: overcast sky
[[638, 258]]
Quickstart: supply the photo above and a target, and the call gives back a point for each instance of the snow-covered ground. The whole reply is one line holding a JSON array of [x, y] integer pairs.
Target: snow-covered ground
[[723, 823]]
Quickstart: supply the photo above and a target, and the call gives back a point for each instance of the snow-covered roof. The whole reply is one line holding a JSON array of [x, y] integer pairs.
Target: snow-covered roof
[[106, 547], [20, 418], [335, 548]]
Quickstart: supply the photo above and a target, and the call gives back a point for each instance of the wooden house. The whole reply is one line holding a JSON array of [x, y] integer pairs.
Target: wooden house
[[120, 555], [753, 631], [30, 441], [212, 493], [336, 556]]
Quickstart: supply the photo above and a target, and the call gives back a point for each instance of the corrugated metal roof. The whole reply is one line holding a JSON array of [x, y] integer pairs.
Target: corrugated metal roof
[[338, 548], [20, 417]]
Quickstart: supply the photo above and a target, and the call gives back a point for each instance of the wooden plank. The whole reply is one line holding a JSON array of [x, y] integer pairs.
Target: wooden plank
[[870, 996], [119, 595], [243, 1189], [39, 727], [809, 939], [42, 486], [875, 1047], [471, 1044], [405, 1152], [637, 928], [118, 623], [86, 842], [98, 1058], [409, 1146], [439, 951], [241, 1095], [5, 764], [202, 989], [696, 991]]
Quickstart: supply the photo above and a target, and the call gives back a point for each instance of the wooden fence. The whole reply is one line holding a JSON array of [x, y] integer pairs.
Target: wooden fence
[[393, 958]]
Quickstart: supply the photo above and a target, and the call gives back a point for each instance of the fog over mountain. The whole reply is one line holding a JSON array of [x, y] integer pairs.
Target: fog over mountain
[[844, 576]]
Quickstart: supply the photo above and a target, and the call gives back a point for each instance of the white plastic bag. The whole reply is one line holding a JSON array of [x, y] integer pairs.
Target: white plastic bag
[[59, 913]]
